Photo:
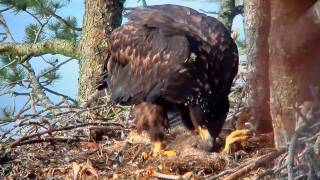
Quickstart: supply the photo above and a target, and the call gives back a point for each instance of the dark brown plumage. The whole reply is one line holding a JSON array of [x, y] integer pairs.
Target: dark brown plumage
[[172, 58]]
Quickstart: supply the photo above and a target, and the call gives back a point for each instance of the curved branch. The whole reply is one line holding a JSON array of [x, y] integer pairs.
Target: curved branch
[[59, 18], [6, 9], [55, 46], [59, 94], [54, 68]]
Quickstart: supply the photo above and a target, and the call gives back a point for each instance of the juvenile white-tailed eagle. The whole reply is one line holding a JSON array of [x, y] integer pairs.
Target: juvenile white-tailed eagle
[[170, 57]]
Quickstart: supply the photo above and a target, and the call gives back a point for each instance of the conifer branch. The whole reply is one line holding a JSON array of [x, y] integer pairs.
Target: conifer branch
[[55, 46]]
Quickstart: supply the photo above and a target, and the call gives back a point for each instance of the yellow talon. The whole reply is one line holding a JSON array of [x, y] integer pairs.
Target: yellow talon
[[170, 153], [240, 136], [209, 143], [158, 146], [144, 155], [204, 133], [158, 150]]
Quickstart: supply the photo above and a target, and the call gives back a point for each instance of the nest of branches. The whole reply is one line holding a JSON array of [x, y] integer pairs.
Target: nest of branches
[[301, 159], [65, 141], [35, 143], [70, 142]]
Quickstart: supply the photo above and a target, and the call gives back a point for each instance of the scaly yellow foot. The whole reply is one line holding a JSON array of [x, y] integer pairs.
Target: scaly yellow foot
[[204, 133], [169, 153], [158, 150], [208, 140], [239, 136]]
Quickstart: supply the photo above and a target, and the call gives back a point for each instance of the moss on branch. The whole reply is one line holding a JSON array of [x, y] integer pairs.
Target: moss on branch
[[55, 46]]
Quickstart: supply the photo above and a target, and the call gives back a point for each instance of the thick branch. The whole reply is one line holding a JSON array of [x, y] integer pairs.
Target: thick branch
[[51, 140], [25, 138], [55, 46], [261, 161]]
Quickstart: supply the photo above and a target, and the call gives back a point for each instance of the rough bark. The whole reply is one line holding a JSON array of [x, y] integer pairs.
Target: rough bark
[[101, 17], [56, 46], [294, 61], [257, 25], [228, 11]]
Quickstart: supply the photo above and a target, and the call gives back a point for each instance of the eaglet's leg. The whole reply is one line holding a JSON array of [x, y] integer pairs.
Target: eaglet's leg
[[152, 118]]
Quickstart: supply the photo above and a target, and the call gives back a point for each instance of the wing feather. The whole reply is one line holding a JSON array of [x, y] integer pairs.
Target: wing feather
[[172, 52], [140, 65]]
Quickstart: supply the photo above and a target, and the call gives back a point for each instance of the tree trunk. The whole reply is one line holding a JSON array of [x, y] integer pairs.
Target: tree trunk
[[101, 17], [294, 61], [257, 25]]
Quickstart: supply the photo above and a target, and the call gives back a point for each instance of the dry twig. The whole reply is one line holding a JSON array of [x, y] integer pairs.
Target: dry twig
[[262, 161]]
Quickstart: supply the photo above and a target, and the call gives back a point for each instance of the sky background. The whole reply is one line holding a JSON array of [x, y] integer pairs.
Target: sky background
[[69, 72]]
